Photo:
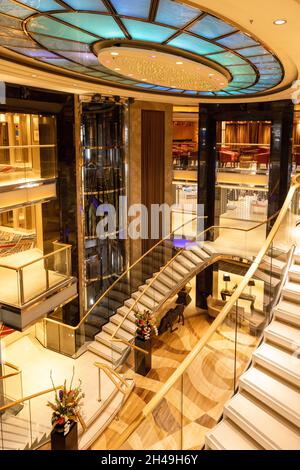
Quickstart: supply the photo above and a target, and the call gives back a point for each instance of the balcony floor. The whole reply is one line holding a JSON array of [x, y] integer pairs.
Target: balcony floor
[[34, 277]]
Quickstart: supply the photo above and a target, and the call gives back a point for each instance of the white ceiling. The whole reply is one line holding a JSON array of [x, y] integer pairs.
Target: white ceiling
[[256, 16]]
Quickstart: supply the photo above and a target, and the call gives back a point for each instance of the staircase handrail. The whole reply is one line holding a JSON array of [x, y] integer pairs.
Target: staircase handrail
[[166, 387]]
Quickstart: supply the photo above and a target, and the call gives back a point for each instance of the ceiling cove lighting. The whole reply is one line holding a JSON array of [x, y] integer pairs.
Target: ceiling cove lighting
[[66, 35]]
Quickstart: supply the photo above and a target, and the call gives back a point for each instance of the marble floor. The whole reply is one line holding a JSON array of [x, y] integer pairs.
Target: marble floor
[[194, 405]]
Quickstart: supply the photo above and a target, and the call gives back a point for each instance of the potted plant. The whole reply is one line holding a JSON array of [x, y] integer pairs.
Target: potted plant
[[66, 414], [146, 328]]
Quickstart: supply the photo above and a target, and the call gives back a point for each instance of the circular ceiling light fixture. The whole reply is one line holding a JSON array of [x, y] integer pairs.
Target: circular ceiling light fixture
[[280, 22], [134, 62]]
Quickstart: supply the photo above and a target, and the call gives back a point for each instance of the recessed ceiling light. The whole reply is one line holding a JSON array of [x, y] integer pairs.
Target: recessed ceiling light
[[144, 79], [117, 69], [153, 56], [130, 75], [280, 22], [211, 75], [34, 75], [179, 63], [114, 53]]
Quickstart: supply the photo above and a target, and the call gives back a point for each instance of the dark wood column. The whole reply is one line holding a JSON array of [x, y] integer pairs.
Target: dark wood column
[[153, 163]]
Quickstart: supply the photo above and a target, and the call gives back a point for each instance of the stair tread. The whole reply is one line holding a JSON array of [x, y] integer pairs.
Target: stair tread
[[201, 252], [144, 299], [185, 262], [126, 325], [137, 305], [104, 351], [159, 286], [124, 311], [105, 339], [227, 436], [288, 311], [266, 427], [193, 257], [274, 391], [291, 286], [179, 268], [170, 282], [281, 331], [173, 274], [279, 360], [110, 328], [151, 291]]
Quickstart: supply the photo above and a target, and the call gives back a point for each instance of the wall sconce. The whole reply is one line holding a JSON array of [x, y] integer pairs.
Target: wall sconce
[[226, 279]]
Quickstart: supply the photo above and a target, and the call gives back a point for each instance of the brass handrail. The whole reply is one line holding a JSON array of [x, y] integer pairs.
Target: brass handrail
[[214, 227], [215, 325], [30, 397], [74, 328], [111, 373], [12, 366]]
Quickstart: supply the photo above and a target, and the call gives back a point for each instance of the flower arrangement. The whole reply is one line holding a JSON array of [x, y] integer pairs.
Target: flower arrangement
[[66, 407], [146, 325]]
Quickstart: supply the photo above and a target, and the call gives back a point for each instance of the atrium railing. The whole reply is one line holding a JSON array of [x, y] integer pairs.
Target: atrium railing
[[191, 400], [70, 340], [11, 385], [29, 281], [26, 423]]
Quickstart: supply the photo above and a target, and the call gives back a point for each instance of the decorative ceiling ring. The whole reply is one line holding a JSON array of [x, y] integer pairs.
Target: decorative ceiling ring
[[63, 34], [188, 63]]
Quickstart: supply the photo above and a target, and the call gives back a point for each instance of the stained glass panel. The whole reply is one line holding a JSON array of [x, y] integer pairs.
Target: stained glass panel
[[142, 31], [61, 44], [193, 44], [13, 9], [93, 5], [227, 58], [211, 27], [135, 8], [102, 26], [253, 51], [175, 14], [241, 70], [10, 22], [237, 40], [43, 5], [45, 25]]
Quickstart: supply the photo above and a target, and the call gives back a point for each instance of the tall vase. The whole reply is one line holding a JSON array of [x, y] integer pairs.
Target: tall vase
[[143, 361]]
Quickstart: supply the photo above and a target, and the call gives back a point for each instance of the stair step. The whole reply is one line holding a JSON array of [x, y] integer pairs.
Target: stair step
[[272, 264], [176, 265], [163, 278], [126, 325], [173, 274], [104, 351], [279, 362], [111, 327], [284, 335], [288, 312], [195, 259], [274, 392], [263, 425], [185, 262], [227, 436], [145, 300], [154, 293], [291, 291], [294, 273], [158, 286], [105, 339], [265, 277], [210, 249], [124, 311], [202, 253], [138, 307]]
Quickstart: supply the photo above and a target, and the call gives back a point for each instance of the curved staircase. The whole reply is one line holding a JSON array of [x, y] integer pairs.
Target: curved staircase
[[265, 413]]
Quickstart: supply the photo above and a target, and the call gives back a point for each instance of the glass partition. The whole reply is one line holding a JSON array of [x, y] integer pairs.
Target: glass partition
[[27, 148]]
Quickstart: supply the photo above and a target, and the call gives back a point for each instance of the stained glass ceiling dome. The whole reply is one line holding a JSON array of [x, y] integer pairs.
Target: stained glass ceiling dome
[[72, 34]]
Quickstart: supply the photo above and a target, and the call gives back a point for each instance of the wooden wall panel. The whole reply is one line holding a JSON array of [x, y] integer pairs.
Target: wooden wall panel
[[153, 162]]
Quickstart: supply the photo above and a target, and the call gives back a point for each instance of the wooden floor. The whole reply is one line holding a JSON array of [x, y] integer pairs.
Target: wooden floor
[[195, 404]]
